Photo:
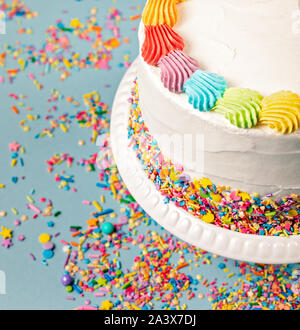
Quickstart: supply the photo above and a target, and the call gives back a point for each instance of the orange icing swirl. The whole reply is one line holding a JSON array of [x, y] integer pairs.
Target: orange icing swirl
[[159, 41], [281, 111], [158, 12]]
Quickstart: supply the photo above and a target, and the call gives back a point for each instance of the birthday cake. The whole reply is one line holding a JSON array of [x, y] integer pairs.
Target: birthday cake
[[215, 110]]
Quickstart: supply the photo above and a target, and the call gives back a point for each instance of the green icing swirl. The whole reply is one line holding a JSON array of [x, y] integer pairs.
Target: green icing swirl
[[241, 106]]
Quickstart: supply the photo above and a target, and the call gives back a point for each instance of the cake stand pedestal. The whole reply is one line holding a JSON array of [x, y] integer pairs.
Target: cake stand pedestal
[[224, 242]]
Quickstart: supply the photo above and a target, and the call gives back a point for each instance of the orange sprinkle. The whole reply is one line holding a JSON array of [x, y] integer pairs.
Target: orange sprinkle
[[15, 109], [182, 266], [76, 233], [133, 18], [97, 28], [13, 71], [114, 43], [74, 244]]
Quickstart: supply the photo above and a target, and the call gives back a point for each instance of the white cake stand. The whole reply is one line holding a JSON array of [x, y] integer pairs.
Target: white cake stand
[[224, 242]]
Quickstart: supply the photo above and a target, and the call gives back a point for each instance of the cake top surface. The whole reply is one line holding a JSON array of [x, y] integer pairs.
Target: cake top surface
[[251, 43], [240, 59]]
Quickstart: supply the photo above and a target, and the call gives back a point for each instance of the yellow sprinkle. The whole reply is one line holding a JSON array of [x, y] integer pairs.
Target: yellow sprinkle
[[63, 127], [2, 186], [136, 307], [130, 274], [97, 206], [207, 260], [209, 217], [13, 162], [293, 213], [113, 189], [30, 199], [102, 199], [67, 63]]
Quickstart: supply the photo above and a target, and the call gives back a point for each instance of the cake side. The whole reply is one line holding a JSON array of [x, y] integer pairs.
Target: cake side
[[253, 160], [217, 205]]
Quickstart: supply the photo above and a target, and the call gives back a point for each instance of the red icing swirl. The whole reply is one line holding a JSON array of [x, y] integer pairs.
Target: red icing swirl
[[159, 41]]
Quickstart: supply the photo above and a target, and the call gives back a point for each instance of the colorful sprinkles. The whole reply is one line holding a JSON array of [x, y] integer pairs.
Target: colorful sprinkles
[[117, 257]]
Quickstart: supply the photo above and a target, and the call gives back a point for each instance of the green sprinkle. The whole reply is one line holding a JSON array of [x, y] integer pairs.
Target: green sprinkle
[[124, 201], [127, 285], [271, 214]]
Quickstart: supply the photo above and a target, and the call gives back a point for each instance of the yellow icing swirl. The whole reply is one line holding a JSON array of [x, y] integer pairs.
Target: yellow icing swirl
[[281, 112], [158, 12]]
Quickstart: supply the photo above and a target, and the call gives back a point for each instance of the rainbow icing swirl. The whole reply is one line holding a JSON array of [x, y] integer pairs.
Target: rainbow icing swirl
[[176, 69], [203, 89], [281, 111], [160, 41], [158, 12], [240, 106]]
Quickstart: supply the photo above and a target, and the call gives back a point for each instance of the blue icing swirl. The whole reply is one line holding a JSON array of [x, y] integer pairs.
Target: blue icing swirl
[[203, 89]]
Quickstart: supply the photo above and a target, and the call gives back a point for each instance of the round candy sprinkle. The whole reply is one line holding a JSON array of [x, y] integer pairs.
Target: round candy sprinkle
[[48, 246], [66, 280], [44, 238], [69, 288], [107, 228], [48, 254]]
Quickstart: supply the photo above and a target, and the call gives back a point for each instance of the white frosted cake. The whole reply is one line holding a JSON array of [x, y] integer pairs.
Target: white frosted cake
[[217, 97]]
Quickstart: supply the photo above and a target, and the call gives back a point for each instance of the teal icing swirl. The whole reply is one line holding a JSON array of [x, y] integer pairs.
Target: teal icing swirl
[[204, 89], [241, 106]]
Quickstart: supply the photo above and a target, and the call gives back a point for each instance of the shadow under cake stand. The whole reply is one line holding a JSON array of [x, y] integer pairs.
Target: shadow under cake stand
[[224, 242]]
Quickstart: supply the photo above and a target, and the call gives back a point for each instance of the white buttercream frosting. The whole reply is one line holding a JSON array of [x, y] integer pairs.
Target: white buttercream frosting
[[234, 38], [251, 43]]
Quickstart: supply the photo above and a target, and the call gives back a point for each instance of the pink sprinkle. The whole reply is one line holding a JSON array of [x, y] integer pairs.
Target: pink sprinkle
[[86, 308], [99, 294], [70, 298], [34, 208]]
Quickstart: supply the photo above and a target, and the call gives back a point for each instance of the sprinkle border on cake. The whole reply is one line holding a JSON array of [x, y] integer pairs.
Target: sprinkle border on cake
[[218, 205]]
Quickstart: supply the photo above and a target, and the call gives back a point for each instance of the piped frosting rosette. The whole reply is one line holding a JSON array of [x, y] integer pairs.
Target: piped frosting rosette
[[180, 73]]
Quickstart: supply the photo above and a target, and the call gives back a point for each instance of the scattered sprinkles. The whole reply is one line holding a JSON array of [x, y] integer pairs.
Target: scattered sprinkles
[[98, 273]]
